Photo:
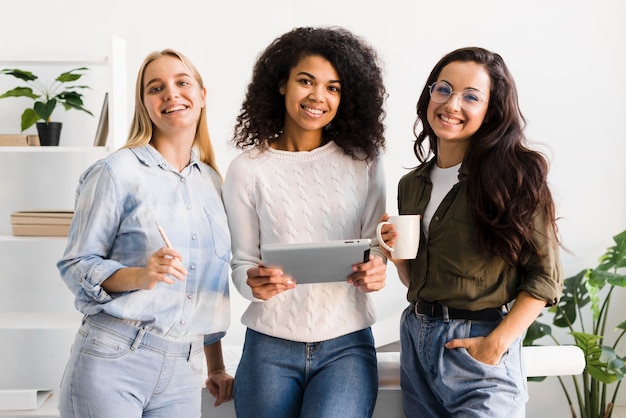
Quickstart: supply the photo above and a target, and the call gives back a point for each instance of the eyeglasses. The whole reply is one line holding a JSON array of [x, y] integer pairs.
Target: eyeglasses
[[441, 91]]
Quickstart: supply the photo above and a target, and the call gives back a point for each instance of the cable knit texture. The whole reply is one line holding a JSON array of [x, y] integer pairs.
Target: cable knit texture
[[276, 196]]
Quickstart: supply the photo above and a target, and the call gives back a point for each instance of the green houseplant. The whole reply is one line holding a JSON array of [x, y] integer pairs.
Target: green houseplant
[[46, 97], [584, 311]]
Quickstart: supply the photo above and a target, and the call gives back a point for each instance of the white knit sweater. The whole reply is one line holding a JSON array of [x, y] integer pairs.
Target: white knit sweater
[[276, 196]]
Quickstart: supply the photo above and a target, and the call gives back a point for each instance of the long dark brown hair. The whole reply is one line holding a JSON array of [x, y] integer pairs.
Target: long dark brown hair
[[507, 183]]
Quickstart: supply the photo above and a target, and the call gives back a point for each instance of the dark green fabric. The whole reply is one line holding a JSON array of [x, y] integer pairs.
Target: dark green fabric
[[451, 270]]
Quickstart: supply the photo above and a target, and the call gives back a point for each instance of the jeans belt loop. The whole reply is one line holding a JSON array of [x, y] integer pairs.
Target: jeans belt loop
[[138, 339], [445, 314], [192, 348]]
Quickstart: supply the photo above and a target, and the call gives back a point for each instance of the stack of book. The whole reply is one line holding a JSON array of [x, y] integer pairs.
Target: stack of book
[[41, 223], [19, 140]]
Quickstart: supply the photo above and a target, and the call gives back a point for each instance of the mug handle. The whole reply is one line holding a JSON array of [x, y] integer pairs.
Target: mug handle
[[380, 238]]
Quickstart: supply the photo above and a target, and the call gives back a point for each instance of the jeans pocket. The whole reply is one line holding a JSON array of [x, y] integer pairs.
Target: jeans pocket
[[196, 361], [105, 345]]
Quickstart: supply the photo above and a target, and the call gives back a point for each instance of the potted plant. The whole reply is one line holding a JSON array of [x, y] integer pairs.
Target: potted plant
[[46, 97], [584, 310]]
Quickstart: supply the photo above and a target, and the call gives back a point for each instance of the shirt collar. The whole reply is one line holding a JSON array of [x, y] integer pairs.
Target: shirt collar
[[149, 156]]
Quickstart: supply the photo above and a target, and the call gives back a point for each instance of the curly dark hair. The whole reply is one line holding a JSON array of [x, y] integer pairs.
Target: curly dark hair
[[507, 186], [358, 126]]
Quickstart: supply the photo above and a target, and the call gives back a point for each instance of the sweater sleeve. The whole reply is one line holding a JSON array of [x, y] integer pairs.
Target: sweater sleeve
[[375, 205], [243, 223]]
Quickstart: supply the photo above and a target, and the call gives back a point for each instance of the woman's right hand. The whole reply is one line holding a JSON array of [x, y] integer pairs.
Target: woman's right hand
[[164, 265], [388, 233], [266, 282]]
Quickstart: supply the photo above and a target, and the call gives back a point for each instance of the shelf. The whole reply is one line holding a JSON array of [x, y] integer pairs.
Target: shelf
[[59, 149], [15, 60], [40, 320], [49, 409], [36, 238]]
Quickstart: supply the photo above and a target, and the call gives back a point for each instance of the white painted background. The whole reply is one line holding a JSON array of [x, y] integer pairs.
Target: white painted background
[[568, 59]]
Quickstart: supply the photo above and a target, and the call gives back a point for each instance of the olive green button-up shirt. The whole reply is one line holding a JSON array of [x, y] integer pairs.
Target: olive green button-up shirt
[[452, 270]]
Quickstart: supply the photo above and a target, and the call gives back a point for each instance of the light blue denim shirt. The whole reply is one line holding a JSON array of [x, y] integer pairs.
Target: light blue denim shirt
[[119, 201]]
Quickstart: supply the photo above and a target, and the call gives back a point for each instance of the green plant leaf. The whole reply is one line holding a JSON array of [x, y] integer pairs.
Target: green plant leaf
[[574, 295], [44, 110], [599, 278], [71, 75], [20, 92], [615, 256], [21, 74], [535, 331], [598, 358], [29, 118], [618, 280], [72, 100]]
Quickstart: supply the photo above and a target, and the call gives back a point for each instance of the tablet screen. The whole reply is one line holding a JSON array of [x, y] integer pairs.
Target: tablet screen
[[317, 262]]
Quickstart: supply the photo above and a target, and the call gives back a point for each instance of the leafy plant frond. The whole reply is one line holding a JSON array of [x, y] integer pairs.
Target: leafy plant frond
[[584, 295], [46, 97], [575, 296]]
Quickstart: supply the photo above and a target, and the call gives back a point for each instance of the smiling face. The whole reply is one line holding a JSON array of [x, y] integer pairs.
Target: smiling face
[[312, 95], [172, 96], [450, 121]]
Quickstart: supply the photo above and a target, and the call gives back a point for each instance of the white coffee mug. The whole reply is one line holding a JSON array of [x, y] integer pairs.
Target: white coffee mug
[[408, 239]]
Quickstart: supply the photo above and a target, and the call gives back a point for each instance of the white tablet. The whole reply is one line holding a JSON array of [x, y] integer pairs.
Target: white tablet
[[317, 262]]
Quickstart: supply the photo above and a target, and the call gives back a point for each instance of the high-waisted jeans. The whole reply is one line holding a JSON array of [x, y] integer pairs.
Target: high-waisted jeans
[[118, 370], [438, 382], [279, 378]]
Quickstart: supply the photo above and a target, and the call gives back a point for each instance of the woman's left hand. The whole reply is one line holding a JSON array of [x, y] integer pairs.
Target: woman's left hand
[[369, 276], [479, 348], [220, 384]]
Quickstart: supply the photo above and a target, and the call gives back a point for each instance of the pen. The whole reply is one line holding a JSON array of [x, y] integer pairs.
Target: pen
[[167, 242]]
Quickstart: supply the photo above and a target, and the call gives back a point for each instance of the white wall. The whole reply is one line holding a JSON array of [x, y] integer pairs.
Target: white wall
[[568, 59]]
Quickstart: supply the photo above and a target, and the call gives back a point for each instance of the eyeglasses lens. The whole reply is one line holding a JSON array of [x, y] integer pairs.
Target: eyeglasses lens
[[441, 91]]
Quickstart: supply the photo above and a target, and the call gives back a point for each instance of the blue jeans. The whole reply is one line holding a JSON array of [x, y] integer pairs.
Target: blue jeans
[[438, 382], [117, 370], [279, 378]]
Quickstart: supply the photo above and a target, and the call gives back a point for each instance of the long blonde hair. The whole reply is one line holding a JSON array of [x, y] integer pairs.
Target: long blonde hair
[[141, 126]]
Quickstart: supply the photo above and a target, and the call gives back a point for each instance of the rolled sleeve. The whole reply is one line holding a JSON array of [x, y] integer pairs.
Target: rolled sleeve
[[84, 265], [542, 276], [213, 338]]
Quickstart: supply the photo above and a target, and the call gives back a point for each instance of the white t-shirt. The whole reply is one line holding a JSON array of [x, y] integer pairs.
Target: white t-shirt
[[442, 179]]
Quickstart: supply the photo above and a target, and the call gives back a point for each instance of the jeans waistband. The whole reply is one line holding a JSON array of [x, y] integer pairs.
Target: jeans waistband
[[437, 310], [142, 337]]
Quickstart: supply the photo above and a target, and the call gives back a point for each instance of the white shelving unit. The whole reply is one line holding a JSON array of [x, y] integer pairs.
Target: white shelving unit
[[38, 320]]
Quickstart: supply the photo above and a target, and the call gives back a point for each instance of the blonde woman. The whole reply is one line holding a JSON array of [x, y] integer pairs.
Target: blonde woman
[[147, 260]]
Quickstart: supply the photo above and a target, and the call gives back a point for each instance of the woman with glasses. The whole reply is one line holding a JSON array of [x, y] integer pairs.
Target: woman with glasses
[[489, 242]]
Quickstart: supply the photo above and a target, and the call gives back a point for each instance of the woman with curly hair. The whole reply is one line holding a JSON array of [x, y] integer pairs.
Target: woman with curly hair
[[312, 134], [489, 238]]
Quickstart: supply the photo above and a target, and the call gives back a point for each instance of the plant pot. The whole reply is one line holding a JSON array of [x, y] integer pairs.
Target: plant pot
[[49, 133]]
